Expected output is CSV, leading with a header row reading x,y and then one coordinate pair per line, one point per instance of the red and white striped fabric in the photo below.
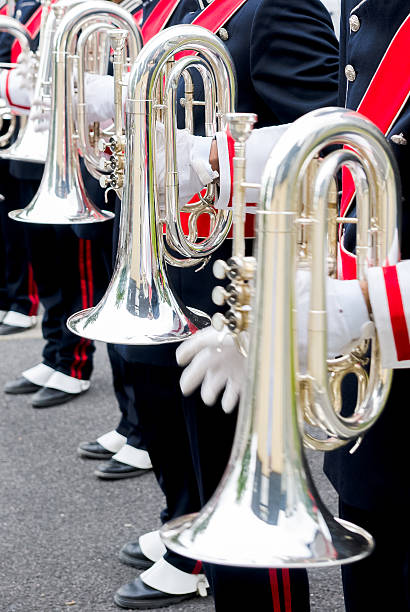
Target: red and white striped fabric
x,y
389,292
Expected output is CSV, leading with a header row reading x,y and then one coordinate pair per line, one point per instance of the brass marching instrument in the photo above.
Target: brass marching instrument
x,y
12,26
61,197
266,511
139,306
31,145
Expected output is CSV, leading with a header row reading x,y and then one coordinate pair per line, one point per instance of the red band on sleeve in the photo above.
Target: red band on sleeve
x,y
398,319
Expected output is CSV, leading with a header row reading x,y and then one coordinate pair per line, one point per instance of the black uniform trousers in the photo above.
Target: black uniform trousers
x,y
71,274
382,581
18,291
373,492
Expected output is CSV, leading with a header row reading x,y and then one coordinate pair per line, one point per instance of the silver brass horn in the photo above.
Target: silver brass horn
x,y
266,511
61,197
12,26
31,145
139,306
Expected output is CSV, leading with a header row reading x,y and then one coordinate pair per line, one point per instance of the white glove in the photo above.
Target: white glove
x,y
216,364
347,315
194,170
17,85
99,98
41,114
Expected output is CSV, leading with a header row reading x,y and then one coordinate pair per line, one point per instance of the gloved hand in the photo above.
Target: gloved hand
x,y
194,170
41,114
347,315
216,364
99,97
17,85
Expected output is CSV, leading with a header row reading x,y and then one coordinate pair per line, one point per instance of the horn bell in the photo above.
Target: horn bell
x,y
261,517
138,313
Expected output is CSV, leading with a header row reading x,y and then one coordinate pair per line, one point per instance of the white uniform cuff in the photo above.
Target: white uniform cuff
x,y
381,312
39,374
19,320
112,441
165,577
258,149
152,546
133,456
69,384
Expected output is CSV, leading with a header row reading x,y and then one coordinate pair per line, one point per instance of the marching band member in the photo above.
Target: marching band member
x,y
72,267
18,291
374,37
286,57
63,286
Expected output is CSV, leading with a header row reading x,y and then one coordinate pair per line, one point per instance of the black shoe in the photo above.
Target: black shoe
x,y
94,450
47,397
21,385
113,470
139,596
6,329
131,554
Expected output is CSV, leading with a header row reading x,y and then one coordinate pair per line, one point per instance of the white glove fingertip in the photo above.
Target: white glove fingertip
x,y
230,397
212,386
195,372
202,339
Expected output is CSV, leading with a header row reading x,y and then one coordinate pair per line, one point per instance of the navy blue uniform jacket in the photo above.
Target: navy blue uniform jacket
x,y
286,59
374,475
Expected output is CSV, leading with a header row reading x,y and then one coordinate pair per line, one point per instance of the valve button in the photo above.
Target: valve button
x,y
218,321
219,296
219,269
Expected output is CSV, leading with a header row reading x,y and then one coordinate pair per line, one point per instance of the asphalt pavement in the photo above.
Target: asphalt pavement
x,y
60,527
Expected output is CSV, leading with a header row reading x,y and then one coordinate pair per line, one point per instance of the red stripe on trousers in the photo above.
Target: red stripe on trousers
x,y
32,292
274,587
398,319
90,285
80,348
89,262
198,568
286,590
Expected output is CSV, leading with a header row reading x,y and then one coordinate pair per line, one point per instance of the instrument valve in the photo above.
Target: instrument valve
x,y
241,267
117,161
